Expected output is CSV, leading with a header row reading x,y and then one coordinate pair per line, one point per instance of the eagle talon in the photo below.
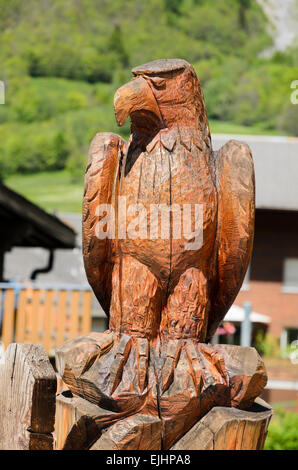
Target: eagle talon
x,y
195,364
121,356
142,347
173,350
79,353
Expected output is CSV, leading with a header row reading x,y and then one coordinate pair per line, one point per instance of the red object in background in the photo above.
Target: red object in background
x,y
226,329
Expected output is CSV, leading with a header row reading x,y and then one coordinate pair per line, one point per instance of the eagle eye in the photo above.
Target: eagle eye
x,y
157,82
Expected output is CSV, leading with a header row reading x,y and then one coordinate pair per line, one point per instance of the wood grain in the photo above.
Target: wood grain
x,y
179,385
138,432
27,398
69,410
229,429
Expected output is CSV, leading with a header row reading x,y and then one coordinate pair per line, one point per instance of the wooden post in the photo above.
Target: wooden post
x,y
79,416
229,429
223,428
27,399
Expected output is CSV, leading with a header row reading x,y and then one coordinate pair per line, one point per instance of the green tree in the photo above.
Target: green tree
x,y
173,6
116,45
244,5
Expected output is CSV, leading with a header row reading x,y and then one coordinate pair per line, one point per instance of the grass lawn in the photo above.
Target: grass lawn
x,y
53,190
58,191
223,127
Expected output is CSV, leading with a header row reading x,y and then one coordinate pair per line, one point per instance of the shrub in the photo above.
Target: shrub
x,y
283,431
267,345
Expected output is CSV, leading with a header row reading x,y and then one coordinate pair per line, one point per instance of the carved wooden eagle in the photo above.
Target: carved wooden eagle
x,y
161,287
167,236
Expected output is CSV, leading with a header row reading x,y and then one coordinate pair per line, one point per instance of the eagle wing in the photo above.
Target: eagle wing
x,y
234,175
106,150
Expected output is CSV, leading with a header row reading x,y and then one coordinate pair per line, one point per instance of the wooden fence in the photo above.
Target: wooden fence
x,y
43,315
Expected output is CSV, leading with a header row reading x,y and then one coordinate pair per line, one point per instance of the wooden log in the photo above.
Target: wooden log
x,y
194,379
138,432
61,386
27,399
41,441
229,429
79,423
117,373
69,410
247,374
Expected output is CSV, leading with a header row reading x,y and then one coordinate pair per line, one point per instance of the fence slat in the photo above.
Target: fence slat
x,y
74,314
28,315
8,320
86,313
62,305
35,339
48,320
21,317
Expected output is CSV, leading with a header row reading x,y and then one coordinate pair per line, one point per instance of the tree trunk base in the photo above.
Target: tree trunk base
x,y
222,428
27,410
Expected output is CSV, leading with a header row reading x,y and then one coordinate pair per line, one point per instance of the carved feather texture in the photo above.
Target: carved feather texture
x,y
236,210
106,150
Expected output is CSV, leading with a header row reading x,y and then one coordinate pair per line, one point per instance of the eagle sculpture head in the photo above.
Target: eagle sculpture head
x,y
162,94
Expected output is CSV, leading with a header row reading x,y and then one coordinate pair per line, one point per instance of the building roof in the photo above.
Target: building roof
x,y
236,314
68,268
276,169
24,224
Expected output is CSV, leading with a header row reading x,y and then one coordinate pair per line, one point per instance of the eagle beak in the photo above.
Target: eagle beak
x,y
135,95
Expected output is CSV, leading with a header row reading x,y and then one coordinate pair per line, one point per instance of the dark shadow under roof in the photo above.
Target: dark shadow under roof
x,y
23,223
